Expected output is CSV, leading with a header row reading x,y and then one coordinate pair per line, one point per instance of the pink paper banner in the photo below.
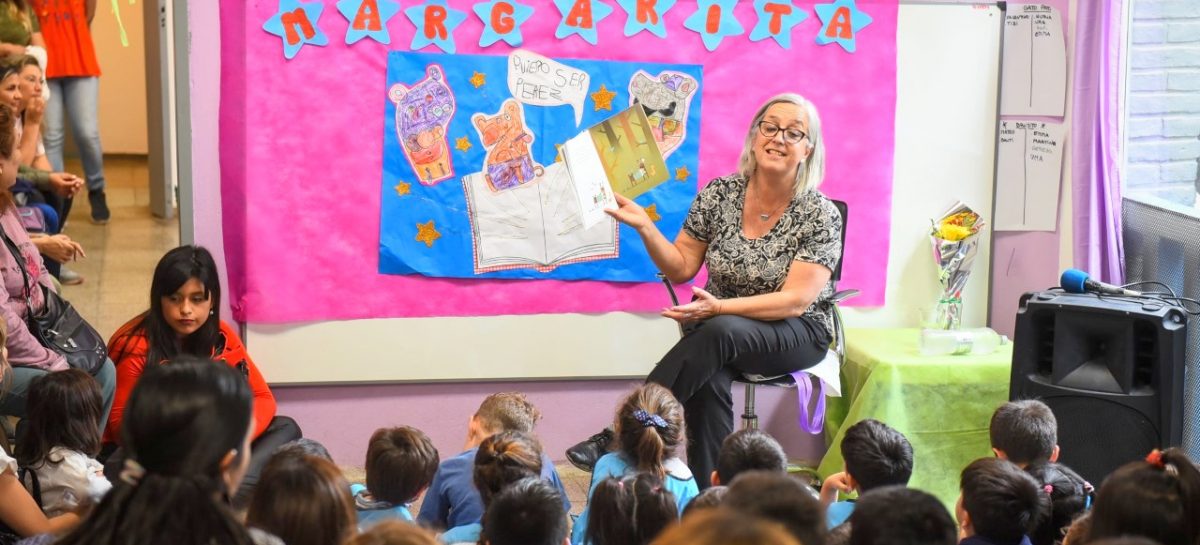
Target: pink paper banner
x,y
301,145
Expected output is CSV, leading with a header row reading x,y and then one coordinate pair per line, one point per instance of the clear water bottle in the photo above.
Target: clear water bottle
x,y
957,342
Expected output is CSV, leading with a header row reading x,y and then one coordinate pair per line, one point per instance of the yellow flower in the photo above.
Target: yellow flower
x,y
952,233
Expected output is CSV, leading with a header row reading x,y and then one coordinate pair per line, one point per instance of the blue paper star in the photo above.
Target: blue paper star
x,y
783,34
450,19
599,10
296,24
835,18
656,27
728,26
520,14
379,10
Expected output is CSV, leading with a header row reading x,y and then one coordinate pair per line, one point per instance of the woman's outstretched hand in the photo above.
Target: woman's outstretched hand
x,y
630,213
704,307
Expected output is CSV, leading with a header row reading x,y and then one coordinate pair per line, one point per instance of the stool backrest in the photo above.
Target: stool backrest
x,y
845,212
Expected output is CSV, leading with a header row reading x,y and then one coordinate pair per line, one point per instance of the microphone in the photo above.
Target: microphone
x,y
1077,281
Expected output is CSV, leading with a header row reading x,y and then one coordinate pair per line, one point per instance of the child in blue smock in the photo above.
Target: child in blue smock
x,y
400,464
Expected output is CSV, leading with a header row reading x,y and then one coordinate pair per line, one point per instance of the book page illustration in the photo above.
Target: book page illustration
x,y
628,152
423,111
666,100
508,163
536,225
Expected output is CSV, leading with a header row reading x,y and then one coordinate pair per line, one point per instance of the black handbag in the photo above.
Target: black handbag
x,y
59,327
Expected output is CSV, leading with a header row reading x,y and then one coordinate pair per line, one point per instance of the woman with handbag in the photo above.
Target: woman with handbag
x,y
185,294
26,292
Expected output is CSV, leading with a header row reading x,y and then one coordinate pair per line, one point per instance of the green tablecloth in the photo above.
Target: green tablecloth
x,y
942,404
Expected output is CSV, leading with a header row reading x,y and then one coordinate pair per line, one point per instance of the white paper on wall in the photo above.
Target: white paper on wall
x,y
1035,62
1028,175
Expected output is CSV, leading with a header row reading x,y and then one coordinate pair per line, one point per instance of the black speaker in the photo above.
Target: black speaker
x,y
1111,369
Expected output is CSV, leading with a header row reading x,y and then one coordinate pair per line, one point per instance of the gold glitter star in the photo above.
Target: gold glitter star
x,y
427,234
603,99
463,144
558,153
403,188
478,79
682,174
652,211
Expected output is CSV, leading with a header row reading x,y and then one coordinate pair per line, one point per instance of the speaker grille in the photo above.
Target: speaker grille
x,y
1098,436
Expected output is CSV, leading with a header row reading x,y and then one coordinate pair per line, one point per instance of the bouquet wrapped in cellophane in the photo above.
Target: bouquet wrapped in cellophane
x,y
955,240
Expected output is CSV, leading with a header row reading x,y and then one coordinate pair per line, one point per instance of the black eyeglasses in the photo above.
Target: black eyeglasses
x,y
790,135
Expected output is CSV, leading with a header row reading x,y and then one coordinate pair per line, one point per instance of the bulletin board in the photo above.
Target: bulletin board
x,y
303,176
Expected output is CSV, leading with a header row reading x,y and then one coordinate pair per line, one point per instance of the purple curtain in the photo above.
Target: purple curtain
x,y
1097,135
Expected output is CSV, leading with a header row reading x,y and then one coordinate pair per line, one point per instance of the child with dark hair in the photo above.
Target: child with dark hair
x,y
630,510
1069,496
527,512
779,497
303,500
452,499
897,515
187,430
747,450
1158,498
400,464
648,428
502,459
60,440
875,455
710,498
304,445
1024,432
999,505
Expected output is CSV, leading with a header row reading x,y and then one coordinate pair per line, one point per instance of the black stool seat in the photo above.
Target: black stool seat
x,y
785,381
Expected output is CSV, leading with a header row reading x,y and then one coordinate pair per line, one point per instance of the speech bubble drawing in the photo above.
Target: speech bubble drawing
x,y
541,81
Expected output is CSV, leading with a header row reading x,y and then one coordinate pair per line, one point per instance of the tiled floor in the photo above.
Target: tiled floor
x,y
121,255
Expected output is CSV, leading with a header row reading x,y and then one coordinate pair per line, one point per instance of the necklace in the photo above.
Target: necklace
x,y
767,216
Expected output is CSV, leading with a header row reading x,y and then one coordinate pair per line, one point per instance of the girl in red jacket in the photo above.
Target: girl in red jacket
x,y
184,297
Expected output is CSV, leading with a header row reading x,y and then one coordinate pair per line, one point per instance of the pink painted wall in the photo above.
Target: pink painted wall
x,y
343,417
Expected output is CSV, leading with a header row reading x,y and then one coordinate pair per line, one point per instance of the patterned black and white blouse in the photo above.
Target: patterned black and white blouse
x,y
808,230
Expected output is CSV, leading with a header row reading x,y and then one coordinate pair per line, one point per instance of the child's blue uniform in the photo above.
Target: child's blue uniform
x,y
467,533
371,512
679,481
838,512
452,499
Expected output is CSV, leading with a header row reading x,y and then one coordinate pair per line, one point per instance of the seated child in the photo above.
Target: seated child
x,y
710,498
648,427
630,510
452,499
60,440
1024,432
400,464
527,512
1158,498
999,505
875,455
725,527
897,515
501,460
781,498
1069,494
394,532
302,500
305,445
747,450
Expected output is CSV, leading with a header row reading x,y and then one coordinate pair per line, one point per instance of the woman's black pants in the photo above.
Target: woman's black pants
x,y
700,369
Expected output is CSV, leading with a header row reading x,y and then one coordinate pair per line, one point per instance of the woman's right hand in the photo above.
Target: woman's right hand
x,y
35,110
630,213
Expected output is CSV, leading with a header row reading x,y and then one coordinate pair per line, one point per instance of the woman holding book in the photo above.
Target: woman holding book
x,y
770,241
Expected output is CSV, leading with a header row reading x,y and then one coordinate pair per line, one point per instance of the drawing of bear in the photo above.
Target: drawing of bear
x,y
423,112
666,100
508,163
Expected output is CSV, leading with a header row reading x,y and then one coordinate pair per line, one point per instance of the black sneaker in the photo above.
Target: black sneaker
x,y
585,454
100,214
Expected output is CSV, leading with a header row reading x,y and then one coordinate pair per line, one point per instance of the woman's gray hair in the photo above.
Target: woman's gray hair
x,y
811,172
